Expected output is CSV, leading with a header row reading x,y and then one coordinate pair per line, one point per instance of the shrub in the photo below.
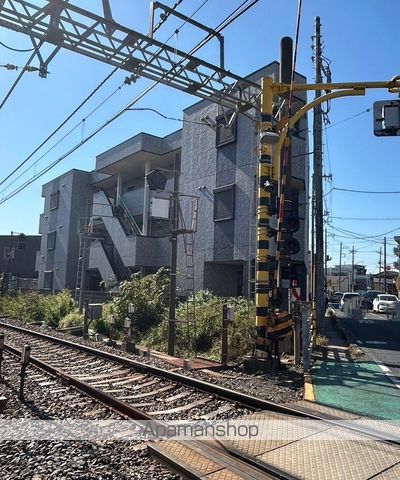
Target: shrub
x,y
100,325
35,307
72,319
205,337
150,297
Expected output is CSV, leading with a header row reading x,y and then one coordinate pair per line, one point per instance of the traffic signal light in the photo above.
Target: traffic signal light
x,y
290,245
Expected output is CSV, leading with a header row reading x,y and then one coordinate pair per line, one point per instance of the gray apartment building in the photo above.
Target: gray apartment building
x,y
127,224
18,257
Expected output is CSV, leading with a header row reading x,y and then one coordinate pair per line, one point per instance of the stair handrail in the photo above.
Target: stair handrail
x,y
134,226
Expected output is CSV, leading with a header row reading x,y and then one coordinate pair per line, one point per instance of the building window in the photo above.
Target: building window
x,y
48,280
54,200
51,240
225,134
224,203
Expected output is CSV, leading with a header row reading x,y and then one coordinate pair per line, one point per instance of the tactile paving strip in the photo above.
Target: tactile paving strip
x,y
391,474
196,460
317,407
224,475
276,430
320,459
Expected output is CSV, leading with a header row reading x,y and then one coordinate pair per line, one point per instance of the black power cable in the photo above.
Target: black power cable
x,y
23,50
18,78
51,135
220,27
60,126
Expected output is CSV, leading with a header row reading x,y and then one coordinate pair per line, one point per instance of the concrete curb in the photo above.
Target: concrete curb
x,y
308,388
353,345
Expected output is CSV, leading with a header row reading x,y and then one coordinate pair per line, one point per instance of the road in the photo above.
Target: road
x,y
379,338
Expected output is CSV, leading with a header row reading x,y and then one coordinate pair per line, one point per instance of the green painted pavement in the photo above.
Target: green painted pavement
x,y
359,387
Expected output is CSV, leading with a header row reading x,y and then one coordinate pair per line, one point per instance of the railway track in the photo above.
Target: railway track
x,y
144,392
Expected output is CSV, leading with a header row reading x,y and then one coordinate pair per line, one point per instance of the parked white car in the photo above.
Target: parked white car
x,y
348,296
384,302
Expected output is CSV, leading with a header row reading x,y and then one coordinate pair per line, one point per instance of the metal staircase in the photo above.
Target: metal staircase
x,y
121,211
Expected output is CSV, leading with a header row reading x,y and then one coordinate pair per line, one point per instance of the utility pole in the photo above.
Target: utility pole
x,y
174,256
340,266
326,261
82,283
380,265
317,184
352,269
384,265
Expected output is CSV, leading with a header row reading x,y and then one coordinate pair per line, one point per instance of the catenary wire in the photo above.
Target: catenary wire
x,y
113,118
18,79
59,141
51,135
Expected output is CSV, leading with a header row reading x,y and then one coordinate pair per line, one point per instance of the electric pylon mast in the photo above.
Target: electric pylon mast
x,y
68,26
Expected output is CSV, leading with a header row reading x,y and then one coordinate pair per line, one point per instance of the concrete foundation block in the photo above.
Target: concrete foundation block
x,y
254,365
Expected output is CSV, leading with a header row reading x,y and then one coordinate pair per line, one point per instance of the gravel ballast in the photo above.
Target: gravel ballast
x,y
42,460
284,386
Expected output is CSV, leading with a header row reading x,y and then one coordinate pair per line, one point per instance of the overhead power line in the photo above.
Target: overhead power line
x,y
367,218
51,135
60,126
148,109
362,236
23,50
365,191
221,26
347,119
18,78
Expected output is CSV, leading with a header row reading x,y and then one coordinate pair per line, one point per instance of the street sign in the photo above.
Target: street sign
x,y
295,294
387,118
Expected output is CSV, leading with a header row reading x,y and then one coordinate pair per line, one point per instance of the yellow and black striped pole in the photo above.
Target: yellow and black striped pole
x,y
265,177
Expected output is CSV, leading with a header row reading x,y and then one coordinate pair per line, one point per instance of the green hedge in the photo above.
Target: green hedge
x,y
35,307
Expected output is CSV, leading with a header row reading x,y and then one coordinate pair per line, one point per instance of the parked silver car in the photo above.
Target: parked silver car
x,y
384,302
346,297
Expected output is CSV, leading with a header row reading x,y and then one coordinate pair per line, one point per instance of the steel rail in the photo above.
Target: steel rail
x,y
248,401
235,460
245,400
104,398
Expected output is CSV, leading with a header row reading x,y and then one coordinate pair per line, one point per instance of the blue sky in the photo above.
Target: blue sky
x,y
361,39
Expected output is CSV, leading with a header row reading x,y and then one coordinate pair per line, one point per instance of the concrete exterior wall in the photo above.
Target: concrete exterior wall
x,y
98,259
223,249
206,167
142,142
74,193
135,251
